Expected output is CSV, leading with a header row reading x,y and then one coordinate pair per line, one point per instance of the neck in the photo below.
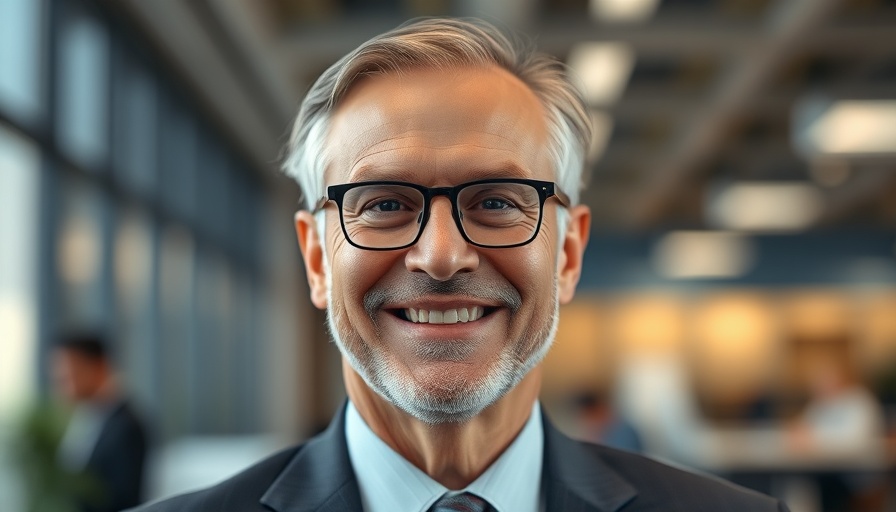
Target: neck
x,y
453,454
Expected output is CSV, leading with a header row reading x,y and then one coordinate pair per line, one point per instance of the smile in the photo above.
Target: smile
x,y
448,316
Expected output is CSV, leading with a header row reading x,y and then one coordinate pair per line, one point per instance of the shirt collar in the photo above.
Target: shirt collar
x,y
389,483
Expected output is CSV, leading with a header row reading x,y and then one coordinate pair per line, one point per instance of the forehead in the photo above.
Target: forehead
x,y
451,122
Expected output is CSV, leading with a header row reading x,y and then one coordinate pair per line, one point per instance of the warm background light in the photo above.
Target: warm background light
x,y
734,346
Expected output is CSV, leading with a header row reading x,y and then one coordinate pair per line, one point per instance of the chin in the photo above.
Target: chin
x,y
439,397
436,396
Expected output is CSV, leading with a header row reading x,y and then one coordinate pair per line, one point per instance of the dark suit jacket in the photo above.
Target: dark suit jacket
x,y
117,462
578,477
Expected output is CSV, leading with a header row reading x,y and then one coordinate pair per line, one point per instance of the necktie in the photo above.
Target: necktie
x,y
465,502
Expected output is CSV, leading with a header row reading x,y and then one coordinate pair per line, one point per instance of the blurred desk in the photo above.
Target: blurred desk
x,y
770,449
764,459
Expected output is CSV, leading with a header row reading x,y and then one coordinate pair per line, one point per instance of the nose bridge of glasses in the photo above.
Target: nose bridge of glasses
x,y
449,200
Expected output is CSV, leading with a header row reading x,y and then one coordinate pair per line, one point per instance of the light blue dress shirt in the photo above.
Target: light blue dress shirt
x,y
389,483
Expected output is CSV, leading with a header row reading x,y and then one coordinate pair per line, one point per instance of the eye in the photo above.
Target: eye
x,y
386,205
494,203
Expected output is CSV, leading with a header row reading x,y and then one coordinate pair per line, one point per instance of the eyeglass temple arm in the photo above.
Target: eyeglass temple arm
x,y
562,197
319,205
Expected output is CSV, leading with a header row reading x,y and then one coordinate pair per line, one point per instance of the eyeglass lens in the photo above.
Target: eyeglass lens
x,y
491,214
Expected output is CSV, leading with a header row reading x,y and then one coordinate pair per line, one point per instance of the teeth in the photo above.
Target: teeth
x,y
450,316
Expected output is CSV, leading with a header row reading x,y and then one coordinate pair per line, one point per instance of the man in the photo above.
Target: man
x,y
104,438
441,166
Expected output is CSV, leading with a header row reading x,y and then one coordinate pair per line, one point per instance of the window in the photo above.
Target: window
x,y
134,264
83,94
19,179
81,255
136,126
20,59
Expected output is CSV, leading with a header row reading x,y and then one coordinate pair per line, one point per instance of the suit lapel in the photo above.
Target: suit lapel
x,y
577,480
319,478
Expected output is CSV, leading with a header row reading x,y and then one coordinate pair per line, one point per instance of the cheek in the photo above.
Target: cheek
x,y
530,269
356,271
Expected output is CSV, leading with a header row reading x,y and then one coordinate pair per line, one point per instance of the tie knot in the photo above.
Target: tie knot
x,y
465,502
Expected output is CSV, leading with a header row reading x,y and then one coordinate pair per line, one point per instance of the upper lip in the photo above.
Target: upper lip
x,y
442,304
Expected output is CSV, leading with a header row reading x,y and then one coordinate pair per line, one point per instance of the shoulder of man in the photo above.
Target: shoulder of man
x,y
659,486
239,492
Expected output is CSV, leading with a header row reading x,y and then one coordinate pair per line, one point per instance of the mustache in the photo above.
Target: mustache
x,y
416,286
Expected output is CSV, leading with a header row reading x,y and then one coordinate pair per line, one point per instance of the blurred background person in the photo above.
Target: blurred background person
x,y
844,421
104,438
601,422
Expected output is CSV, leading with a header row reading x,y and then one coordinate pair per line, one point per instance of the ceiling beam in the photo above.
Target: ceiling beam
x,y
249,29
792,23
309,46
183,39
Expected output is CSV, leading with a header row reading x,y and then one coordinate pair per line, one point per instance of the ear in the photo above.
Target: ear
x,y
572,252
313,254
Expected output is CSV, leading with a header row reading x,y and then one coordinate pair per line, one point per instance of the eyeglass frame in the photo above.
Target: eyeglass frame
x,y
545,190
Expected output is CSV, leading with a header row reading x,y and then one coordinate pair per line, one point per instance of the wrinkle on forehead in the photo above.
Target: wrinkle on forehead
x,y
437,118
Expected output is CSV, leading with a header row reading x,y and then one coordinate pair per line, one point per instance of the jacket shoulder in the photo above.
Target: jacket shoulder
x,y
664,487
239,492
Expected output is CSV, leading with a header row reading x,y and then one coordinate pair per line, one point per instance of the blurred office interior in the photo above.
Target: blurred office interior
x,y
742,180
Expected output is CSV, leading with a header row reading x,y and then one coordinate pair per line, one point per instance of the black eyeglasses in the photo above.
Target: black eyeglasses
x,y
388,215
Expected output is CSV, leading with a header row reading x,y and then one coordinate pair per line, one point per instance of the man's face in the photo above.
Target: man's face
x,y
76,376
441,128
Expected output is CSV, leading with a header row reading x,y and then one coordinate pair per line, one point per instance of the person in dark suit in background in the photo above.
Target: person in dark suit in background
x,y
104,438
441,165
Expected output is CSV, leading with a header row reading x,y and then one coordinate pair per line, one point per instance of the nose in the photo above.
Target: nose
x,y
441,250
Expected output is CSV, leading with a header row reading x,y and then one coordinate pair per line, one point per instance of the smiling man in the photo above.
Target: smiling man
x,y
441,163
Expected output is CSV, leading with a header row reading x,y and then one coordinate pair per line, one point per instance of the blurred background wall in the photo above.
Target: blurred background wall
x,y
742,179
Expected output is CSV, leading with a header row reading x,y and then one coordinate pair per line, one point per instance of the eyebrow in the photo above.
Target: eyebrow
x,y
371,172
502,170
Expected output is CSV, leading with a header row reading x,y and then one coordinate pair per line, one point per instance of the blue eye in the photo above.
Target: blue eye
x,y
495,204
389,205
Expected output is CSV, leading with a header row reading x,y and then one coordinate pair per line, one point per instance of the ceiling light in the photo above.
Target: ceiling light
x,y
765,206
622,11
702,254
846,127
603,69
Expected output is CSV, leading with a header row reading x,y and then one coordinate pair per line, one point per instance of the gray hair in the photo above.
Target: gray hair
x,y
442,43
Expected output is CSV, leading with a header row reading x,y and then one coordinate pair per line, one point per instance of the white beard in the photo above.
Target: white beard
x,y
450,399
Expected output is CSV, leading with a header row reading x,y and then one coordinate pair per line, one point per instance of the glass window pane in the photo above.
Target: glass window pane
x,y
19,195
212,412
21,58
177,337
134,264
244,363
81,255
134,137
83,90
214,172
178,160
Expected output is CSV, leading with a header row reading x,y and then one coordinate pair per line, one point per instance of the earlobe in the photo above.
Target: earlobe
x,y
572,252
313,255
